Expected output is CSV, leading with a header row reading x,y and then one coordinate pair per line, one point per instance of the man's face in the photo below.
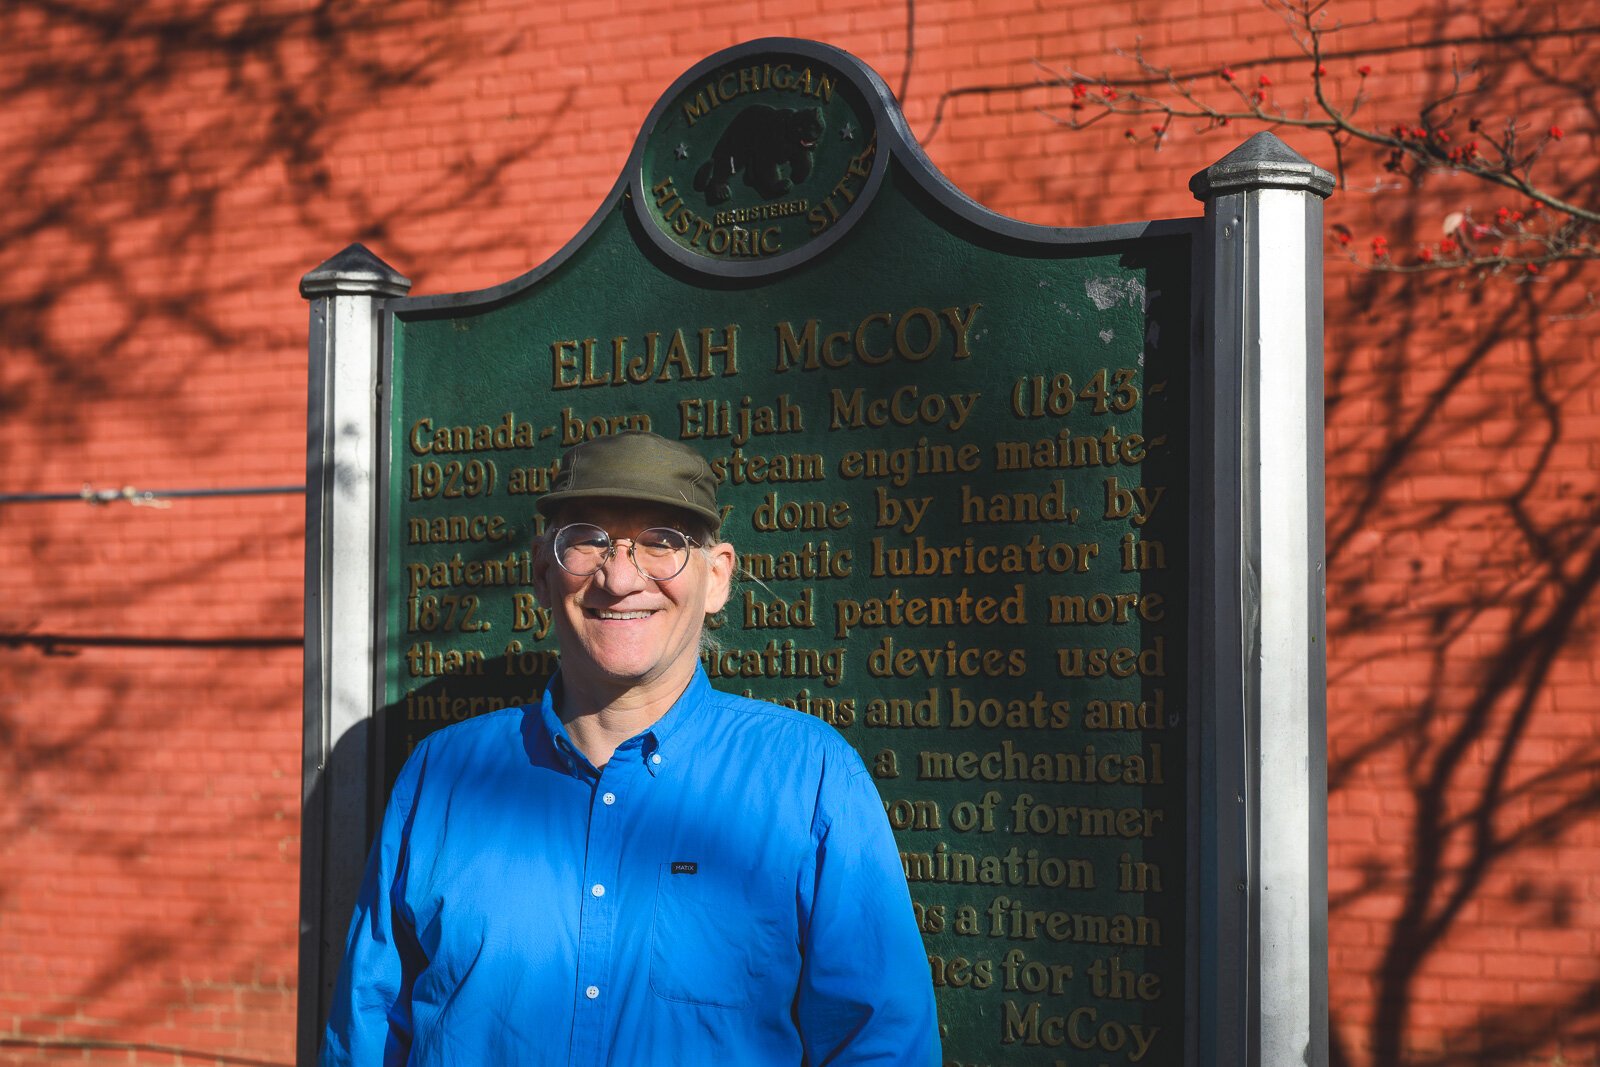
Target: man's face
x,y
619,630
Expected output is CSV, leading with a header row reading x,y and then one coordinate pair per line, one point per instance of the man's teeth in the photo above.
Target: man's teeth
x,y
623,614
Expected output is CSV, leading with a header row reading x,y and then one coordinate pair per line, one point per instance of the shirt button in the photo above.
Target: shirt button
x,y
609,798
598,890
656,758
592,992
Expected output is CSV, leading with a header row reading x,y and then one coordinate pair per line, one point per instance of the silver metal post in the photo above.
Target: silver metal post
x,y
1263,899
346,295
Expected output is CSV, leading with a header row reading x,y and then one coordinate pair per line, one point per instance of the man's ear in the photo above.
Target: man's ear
x,y
720,560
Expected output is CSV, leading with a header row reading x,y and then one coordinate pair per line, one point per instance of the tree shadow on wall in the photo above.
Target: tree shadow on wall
x,y
159,962
1464,558
135,136
1500,593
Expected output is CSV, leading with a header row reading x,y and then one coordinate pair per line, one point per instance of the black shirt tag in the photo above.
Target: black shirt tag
x,y
683,867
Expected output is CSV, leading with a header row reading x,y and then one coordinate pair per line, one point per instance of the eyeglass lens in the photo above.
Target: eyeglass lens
x,y
659,552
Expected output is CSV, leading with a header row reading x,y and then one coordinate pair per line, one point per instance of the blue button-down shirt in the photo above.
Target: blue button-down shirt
x,y
724,890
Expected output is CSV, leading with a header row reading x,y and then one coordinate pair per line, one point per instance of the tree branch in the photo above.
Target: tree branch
x,y
1546,226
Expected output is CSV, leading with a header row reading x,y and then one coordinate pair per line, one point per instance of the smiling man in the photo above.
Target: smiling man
x,y
640,869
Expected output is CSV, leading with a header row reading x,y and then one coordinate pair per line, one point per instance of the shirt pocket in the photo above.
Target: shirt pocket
x,y
716,932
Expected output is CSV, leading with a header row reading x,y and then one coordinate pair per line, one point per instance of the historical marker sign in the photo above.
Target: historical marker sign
x,y
960,459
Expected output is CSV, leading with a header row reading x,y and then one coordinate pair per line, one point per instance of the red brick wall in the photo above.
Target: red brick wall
x,y
171,171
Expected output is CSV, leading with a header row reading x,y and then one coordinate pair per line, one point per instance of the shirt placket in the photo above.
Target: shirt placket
x,y
597,978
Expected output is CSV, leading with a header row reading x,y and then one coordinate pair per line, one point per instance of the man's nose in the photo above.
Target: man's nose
x,y
618,574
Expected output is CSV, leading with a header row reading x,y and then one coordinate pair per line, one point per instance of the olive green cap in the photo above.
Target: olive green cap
x,y
636,465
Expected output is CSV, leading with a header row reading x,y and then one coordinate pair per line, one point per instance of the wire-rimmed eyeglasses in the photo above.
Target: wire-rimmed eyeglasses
x,y
659,553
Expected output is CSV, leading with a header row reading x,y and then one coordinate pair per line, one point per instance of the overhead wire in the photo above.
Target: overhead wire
x,y
155,498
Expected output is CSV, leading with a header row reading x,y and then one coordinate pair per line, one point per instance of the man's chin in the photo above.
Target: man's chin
x,y
622,668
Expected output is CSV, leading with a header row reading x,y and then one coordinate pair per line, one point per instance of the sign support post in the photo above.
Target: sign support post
x,y
1263,878
346,294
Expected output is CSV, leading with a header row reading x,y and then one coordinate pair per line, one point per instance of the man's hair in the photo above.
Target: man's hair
x,y
703,532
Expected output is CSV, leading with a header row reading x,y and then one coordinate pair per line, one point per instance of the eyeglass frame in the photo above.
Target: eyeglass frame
x,y
612,542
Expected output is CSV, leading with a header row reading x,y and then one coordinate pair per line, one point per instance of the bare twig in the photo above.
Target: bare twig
x,y
1547,227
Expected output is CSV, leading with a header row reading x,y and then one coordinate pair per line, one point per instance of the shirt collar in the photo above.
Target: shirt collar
x,y
681,719
669,736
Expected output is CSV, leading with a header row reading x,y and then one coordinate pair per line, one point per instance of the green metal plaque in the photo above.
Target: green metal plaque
x,y
955,452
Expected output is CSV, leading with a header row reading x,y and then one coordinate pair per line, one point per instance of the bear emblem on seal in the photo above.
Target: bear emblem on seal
x,y
760,142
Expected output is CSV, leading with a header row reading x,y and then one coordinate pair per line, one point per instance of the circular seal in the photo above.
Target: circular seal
x,y
758,159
